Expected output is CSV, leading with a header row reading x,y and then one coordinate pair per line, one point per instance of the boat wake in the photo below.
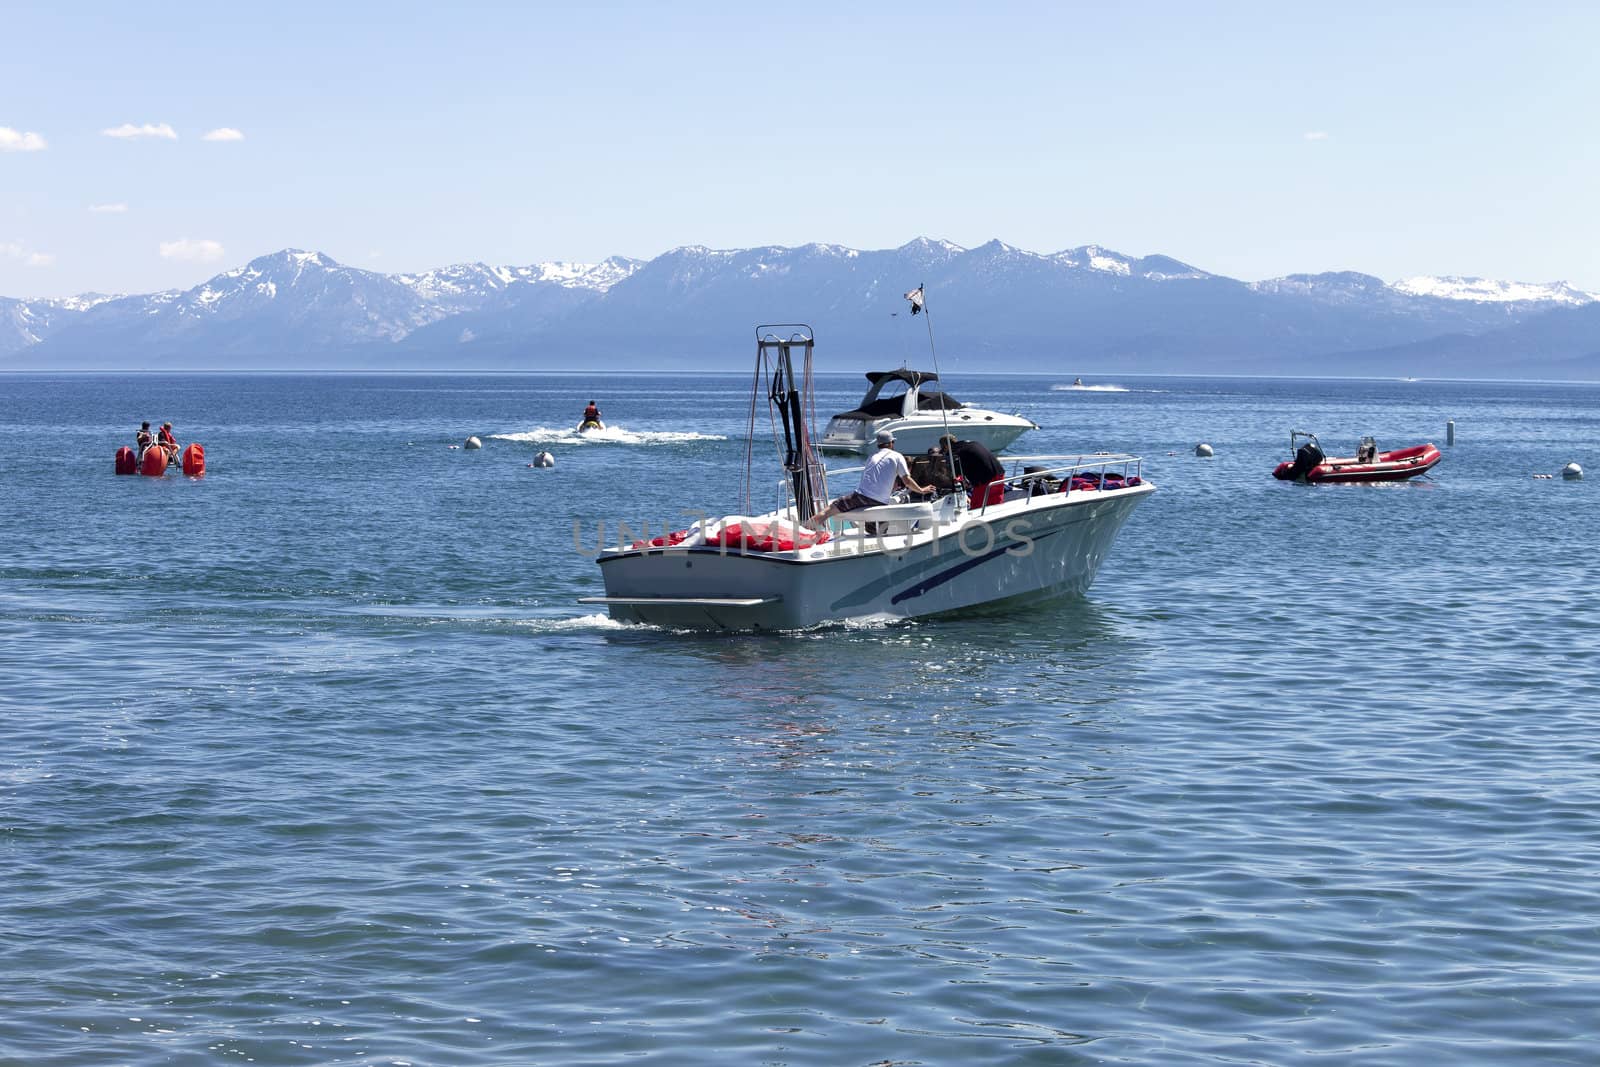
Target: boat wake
x,y
603,623
611,435
574,624
1089,389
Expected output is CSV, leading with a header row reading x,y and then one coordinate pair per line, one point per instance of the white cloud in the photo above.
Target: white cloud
x,y
20,140
223,133
108,209
191,251
18,250
1316,135
128,131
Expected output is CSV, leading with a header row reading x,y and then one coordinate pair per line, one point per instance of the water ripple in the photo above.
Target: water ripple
x,y
341,774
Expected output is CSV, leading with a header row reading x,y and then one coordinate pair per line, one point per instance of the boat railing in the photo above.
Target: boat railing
x,y
1129,466
1072,472
1033,473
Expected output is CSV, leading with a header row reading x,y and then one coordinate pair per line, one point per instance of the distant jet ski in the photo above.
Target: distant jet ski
x,y
590,424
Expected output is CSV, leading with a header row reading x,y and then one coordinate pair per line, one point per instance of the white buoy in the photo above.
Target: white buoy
x,y
1203,450
1450,432
472,442
544,459
1572,472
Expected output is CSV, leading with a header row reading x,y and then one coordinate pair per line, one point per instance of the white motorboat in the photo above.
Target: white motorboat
x,y
1042,531
902,402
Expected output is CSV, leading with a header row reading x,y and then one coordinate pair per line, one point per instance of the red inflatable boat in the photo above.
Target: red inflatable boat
x,y
1310,464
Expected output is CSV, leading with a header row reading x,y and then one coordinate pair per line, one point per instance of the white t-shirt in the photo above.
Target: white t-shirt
x,y
877,477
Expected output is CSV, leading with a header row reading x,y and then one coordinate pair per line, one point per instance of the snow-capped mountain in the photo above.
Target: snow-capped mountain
x,y
332,299
1346,285
1486,290
998,306
1152,268
293,306
471,286
1339,285
27,322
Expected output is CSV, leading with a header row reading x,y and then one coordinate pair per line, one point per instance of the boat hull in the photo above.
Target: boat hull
x,y
858,437
1028,550
1396,466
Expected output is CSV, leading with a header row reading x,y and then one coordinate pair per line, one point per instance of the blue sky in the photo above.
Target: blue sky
x,y
1249,139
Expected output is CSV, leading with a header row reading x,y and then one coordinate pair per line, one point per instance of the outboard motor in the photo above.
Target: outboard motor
x,y
1306,457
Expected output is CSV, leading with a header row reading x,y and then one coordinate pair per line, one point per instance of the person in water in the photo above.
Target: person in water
x,y
591,415
975,463
142,440
884,470
168,443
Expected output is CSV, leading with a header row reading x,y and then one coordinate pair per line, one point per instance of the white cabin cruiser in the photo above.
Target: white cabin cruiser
x,y
902,402
1041,531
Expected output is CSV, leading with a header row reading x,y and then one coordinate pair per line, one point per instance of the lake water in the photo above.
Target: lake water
x,y
316,760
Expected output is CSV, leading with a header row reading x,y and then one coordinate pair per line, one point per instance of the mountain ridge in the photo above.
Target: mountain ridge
x,y
1087,306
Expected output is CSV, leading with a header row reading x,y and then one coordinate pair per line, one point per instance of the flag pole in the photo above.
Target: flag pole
x,y
919,303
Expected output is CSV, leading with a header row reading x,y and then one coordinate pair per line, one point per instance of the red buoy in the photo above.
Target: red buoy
x,y
194,459
155,462
126,463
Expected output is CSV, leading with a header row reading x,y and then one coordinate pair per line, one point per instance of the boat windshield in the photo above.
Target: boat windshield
x,y
886,397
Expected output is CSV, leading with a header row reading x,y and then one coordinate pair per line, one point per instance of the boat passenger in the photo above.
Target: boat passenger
x,y
975,463
1367,451
142,440
884,470
168,443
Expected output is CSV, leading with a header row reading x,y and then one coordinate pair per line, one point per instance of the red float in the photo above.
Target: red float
x,y
155,462
126,462
766,537
194,459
